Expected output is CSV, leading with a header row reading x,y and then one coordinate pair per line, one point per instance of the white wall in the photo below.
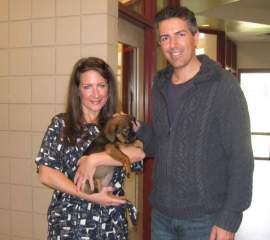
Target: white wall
x,y
253,55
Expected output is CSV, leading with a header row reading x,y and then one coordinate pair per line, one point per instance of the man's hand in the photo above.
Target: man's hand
x,y
135,124
218,233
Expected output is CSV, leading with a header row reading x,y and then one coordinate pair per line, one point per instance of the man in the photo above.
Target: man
x,y
199,138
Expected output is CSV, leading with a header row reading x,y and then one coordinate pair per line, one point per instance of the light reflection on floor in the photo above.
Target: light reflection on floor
x,y
256,221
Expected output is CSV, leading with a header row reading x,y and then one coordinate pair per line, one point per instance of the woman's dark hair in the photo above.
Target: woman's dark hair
x,y
178,12
74,114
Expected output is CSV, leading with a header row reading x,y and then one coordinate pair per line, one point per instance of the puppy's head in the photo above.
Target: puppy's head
x,y
119,128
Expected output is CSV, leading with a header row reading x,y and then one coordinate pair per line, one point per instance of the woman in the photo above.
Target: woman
x,y
73,214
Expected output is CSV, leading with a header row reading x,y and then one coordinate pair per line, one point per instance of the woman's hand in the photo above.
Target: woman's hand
x,y
86,170
57,180
88,164
105,198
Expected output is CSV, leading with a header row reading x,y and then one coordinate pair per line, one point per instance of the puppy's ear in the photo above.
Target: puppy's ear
x,y
109,131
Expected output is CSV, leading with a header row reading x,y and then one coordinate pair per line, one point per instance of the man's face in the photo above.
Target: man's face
x,y
177,42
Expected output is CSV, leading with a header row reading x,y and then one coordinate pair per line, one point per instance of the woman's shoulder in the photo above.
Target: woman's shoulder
x,y
60,116
58,120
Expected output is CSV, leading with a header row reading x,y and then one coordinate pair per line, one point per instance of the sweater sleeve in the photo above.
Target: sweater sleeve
x,y
146,135
236,139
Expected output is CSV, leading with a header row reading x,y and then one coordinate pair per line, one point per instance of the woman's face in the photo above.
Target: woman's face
x,y
94,92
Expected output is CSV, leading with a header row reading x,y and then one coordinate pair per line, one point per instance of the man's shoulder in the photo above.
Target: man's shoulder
x,y
228,79
229,86
215,71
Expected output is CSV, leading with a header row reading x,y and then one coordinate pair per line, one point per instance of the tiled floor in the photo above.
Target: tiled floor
x,y
256,222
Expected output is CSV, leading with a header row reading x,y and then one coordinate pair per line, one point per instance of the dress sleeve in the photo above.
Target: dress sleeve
x,y
49,153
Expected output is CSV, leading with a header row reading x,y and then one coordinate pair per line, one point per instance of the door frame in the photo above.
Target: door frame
x,y
149,71
146,22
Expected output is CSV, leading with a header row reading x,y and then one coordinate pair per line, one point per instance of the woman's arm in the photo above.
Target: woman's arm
x,y
58,181
88,164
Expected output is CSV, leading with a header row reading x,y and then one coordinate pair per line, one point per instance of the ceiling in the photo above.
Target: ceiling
x,y
242,20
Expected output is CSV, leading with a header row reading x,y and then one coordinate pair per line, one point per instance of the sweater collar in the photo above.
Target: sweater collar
x,y
209,71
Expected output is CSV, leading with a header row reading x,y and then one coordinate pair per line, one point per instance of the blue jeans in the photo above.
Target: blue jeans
x,y
167,228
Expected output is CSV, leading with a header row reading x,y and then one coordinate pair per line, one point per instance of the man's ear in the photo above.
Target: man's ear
x,y
196,38
109,132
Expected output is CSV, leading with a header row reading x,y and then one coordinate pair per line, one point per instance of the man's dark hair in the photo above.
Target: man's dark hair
x,y
177,12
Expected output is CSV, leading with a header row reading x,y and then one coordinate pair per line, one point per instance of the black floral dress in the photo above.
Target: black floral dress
x,y
70,217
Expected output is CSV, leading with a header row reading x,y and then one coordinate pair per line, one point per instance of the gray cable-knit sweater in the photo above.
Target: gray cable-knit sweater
x,y
203,161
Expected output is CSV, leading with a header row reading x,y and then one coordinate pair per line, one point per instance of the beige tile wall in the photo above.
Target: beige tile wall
x,y
40,40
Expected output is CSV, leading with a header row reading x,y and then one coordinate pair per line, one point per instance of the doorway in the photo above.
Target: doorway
x,y
256,87
130,79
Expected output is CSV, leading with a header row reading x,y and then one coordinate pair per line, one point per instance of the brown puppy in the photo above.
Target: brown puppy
x,y
117,132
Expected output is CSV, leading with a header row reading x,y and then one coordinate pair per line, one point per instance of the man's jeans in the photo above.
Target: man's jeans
x,y
167,228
